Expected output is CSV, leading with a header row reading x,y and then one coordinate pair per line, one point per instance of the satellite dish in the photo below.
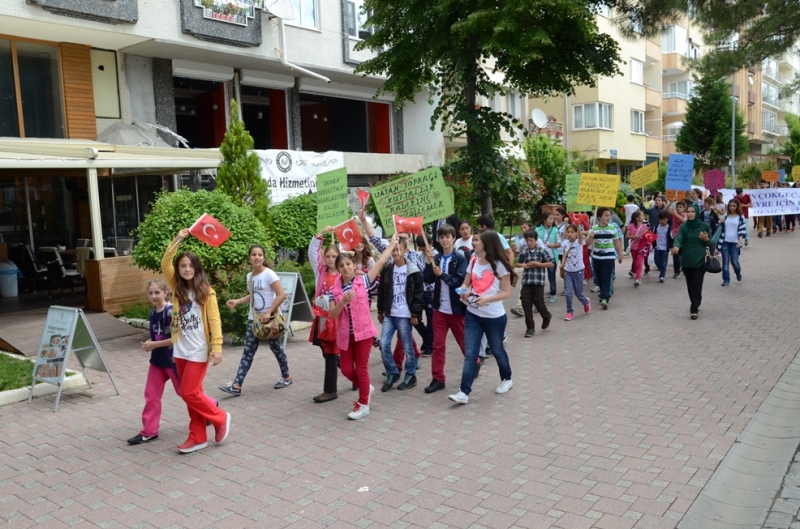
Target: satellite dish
x,y
539,118
280,8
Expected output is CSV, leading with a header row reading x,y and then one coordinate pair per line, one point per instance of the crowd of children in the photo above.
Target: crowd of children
x,y
456,285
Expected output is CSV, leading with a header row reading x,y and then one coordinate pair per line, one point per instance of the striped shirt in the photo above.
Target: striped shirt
x,y
604,237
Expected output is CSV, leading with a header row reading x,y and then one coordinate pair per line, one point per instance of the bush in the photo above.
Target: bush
x,y
138,311
231,283
295,222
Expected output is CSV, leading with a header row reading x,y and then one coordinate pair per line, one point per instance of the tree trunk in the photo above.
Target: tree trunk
x,y
472,139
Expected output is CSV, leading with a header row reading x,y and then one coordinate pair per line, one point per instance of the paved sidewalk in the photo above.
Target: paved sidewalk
x,y
616,420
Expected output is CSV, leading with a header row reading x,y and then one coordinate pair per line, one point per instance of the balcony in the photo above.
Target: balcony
x,y
787,106
233,22
751,127
770,101
783,130
672,61
119,12
652,52
769,128
652,98
674,103
654,144
751,98
770,74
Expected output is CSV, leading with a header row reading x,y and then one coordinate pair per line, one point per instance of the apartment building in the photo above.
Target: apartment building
x,y
617,122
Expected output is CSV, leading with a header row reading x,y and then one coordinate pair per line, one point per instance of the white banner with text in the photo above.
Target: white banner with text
x,y
292,173
766,202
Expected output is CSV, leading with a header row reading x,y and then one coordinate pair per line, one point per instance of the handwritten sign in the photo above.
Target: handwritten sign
x,y
332,207
573,184
679,172
796,173
783,175
673,195
645,175
714,180
771,176
598,189
422,194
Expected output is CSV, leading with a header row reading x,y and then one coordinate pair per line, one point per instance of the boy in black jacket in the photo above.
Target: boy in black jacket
x,y
400,303
447,272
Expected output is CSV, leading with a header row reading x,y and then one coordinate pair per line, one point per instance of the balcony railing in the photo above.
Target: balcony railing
x,y
771,73
786,105
771,101
233,12
782,130
679,95
771,128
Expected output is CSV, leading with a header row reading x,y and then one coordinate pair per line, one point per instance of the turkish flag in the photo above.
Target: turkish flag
x,y
578,218
650,237
363,196
209,230
411,225
348,235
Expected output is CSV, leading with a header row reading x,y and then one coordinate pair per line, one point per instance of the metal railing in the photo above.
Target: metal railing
x,y
231,11
771,73
679,95
771,101
769,127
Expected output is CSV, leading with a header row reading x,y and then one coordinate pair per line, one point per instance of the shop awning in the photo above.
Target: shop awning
x,y
17,153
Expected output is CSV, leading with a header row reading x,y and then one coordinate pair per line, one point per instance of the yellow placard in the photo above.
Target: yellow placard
x,y
796,173
598,189
771,176
645,175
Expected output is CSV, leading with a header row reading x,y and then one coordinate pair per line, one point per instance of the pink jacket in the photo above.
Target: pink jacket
x,y
637,244
363,328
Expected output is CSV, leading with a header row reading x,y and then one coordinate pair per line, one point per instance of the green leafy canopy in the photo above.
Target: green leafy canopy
x,y
295,221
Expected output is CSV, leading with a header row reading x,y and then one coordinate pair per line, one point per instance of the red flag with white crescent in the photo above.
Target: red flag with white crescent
x,y
348,235
412,225
363,196
210,230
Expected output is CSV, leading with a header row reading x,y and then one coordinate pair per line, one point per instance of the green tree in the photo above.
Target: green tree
x,y
239,174
792,147
295,222
455,50
549,159
706,131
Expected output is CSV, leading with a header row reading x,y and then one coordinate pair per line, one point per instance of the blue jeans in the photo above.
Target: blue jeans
x,y
474,328
730,256
551,279
662,260
604,269
403,328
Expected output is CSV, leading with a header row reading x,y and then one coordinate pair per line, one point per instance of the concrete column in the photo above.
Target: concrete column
x,y
294,113
94,213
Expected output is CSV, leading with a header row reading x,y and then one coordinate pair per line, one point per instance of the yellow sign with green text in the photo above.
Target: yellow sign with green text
x,y
796,173
598,189
645,175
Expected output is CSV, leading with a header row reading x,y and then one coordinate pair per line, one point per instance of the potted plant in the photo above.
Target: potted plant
x,y
207,8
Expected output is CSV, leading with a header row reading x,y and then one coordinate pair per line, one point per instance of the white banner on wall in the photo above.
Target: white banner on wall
x,y
766,202
292,173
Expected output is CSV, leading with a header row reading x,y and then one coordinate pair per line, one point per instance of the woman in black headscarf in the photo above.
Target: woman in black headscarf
x,y
693,239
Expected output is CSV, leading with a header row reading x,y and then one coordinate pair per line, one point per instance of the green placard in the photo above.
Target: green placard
x,y
332,207
573,183
422,194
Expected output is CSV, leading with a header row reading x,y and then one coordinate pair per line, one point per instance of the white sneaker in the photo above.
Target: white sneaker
x,y
359,411
459,398
505,338
371,391
504,386
595,289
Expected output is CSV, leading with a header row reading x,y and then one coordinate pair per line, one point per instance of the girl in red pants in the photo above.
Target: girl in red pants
x,y
355,330
640,248
196,341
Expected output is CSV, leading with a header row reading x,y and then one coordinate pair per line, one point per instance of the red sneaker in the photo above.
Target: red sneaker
x,y
221,433
191,446
587,308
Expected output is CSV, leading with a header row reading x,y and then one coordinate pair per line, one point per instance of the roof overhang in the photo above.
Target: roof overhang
x,y
16,153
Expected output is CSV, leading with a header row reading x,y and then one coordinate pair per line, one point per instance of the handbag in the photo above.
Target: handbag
x,y
275,326
712,264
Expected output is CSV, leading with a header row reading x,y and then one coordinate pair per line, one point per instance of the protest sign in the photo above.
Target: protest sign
x,y
292,173
422,194
598,189
714,180
573,184
771,176
645,175
796,173
781,201
783,175
332,207
679,172
673,195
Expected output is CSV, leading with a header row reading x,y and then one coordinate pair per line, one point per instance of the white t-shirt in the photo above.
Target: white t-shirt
x,y
191,344
574,261
484,283
444,292
399,301
630,209
461,244
263,296
732,229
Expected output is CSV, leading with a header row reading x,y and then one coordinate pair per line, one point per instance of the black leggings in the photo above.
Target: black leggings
x,y
694,285
331,373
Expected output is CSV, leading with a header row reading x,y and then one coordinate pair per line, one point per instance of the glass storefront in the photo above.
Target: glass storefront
x,y
49,205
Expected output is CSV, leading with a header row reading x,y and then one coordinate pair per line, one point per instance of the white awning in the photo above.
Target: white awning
x,y
18,153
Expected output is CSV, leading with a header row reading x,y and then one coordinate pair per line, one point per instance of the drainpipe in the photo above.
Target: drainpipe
x,y
282,54
567,142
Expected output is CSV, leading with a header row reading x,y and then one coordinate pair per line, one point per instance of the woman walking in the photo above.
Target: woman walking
x,y
693,239
265,297
731,239
489,280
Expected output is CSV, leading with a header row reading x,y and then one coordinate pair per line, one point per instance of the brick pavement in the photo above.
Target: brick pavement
x,y
616,420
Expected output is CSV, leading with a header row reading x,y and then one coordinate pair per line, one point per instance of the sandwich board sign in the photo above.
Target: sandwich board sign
x,y
67,331
296,305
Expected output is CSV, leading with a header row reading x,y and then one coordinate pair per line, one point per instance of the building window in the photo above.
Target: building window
x,y
674,40
513,105
604,10
769,121
680,89
592,116
770,68
356,20
769,94
637,71
36,87
637,122
671,131
306,13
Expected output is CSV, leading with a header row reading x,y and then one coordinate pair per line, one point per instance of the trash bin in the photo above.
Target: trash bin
x,y
8,279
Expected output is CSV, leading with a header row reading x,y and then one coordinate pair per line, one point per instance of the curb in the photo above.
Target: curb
x,y
11,396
